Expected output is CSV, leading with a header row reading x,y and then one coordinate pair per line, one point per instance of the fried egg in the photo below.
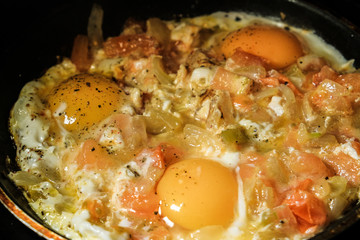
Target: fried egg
x,y
84,100
192,141
193,197
277,46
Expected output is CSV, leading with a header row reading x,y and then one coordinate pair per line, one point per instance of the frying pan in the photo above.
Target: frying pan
x,y
36,35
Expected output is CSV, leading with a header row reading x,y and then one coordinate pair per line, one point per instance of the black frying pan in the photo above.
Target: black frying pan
x,y
34,34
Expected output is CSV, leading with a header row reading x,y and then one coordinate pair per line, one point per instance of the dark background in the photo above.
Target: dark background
x,y
17,17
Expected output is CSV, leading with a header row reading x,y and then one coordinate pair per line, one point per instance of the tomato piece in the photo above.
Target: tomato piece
x,y
345,166
97,209
307,165
139,203
310,212
270,81
242,102
286,218
332,98
223,80
325,73
159,156
155,153
126,45
292,139
282,79
93,156
247,171
304,185
171,154
350,81
139,196
232,82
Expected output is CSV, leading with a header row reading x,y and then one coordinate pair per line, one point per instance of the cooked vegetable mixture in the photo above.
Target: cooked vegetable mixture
x,y
225,126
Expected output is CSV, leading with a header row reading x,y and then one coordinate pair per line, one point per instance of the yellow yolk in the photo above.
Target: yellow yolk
x,y
276,45
84,100
196,193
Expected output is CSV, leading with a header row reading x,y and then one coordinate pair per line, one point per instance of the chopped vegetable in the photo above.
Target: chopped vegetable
x,y
137,44
158,121
80,55
132,136
234,136
309,211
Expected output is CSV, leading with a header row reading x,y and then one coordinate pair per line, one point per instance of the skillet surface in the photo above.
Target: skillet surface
x,y
20,63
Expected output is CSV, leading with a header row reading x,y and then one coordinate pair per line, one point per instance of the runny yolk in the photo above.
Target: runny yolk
x,y
196,193
276,45
84,100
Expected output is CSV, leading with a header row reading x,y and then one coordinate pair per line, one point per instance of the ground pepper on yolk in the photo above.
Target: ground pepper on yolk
x,y
84,100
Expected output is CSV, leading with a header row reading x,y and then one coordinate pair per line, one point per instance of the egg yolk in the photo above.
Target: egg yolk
x,y
84,100
276,45
196,193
